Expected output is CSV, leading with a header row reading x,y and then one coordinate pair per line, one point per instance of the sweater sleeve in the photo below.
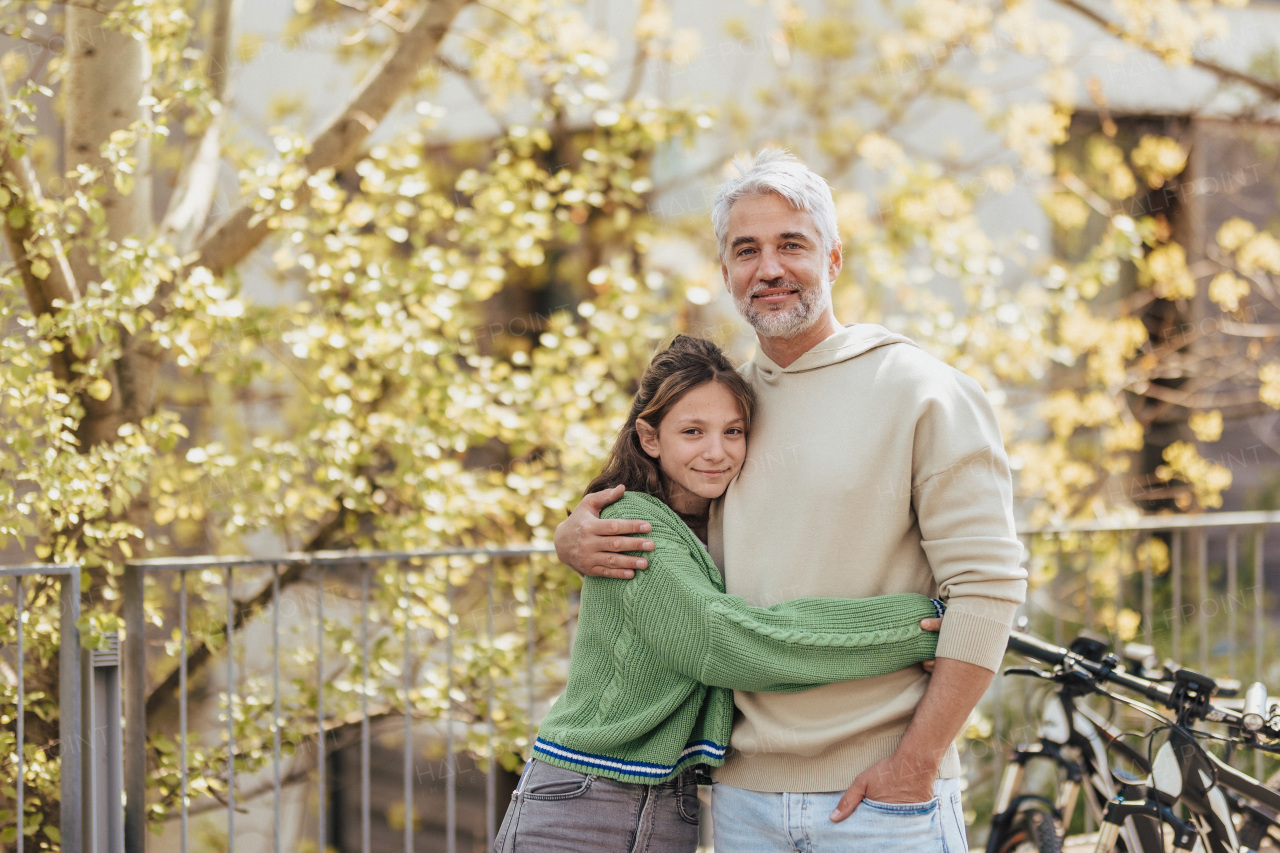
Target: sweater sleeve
x,y
721,641
963,498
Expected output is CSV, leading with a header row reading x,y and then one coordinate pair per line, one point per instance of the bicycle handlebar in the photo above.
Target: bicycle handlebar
x,y
1032,646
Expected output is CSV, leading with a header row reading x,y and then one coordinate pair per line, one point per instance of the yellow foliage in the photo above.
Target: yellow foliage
x,y
1208,480
1108,160
1259,252
1157,159
1154,553
1226,290
879,151
1269,376
1234,232
1060,85
1127,623
1029,130
1166,271
1067,210
1207,426
1127,435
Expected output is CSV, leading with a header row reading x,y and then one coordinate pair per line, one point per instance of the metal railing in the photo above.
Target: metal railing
x,y
1190,550
1174,582
324,568
73,742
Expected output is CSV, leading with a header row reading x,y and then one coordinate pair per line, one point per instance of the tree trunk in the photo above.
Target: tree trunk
x,y
108,74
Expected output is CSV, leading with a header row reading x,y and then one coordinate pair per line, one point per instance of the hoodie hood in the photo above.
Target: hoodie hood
x,y
850,342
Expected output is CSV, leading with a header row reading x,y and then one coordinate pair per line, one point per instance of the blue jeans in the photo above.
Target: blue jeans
x,y
554,810
757,822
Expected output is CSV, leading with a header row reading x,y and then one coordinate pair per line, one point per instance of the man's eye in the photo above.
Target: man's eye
x,y
743,252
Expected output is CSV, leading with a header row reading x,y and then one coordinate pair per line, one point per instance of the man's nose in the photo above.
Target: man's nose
x,y
770,265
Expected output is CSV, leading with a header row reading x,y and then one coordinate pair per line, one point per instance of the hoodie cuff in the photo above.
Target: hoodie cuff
x,y
976,630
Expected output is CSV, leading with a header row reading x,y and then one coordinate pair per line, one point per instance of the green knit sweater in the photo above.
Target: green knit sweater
x,y
656,658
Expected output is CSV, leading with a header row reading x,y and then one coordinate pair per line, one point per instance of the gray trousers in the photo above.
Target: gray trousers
x,y
554,810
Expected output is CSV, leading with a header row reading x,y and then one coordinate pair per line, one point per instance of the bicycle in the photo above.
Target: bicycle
x,y
1229,810
1076,741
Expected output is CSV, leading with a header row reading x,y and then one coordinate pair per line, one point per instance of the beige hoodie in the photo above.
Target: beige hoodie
x,y
872,468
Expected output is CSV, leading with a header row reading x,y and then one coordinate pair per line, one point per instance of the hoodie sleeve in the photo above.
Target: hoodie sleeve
x,y
963,497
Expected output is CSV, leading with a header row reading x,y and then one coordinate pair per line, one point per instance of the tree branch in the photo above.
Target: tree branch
x,y
18,178
340,142
1249,330
1222,72
189,206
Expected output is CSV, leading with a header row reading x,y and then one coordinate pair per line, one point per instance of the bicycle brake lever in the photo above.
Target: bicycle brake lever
x,y
1027,670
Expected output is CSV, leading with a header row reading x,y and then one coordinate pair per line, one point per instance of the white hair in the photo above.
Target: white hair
x,y
776,171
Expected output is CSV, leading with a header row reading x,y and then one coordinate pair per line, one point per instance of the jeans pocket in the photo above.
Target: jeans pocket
x,y
687,798
902,808
547,782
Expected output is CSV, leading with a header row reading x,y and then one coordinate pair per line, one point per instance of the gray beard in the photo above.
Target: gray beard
x,y
812,304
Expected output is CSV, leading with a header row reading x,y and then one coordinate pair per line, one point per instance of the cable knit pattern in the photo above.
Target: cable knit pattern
x,y
870,638
656,658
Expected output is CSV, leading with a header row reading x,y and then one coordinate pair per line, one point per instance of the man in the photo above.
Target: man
x,y
873,468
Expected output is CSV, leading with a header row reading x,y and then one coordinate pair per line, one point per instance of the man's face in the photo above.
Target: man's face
x,y
775,268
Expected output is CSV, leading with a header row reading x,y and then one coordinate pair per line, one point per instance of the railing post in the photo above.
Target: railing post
x,y
104,822
70,703
135,712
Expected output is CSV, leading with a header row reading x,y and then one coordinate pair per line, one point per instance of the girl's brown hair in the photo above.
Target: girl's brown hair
x,y
684,365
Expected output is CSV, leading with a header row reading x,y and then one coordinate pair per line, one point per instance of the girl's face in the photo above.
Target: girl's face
x,y
700,446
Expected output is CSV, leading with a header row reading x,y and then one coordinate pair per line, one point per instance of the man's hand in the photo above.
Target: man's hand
x,y
932,624
592,545
896,779
908,775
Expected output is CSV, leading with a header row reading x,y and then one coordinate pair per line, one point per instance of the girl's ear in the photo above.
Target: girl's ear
x,y
648,437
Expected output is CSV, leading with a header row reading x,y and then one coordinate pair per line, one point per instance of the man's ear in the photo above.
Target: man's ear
x,y
648,437
724,274
835,261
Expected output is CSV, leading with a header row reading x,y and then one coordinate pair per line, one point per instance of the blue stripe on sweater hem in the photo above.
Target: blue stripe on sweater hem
x,y
634,768
938,606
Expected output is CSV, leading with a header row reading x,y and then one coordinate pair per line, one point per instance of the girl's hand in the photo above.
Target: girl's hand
x,y
932,624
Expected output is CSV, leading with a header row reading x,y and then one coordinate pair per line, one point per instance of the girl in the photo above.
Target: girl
x,y
656,659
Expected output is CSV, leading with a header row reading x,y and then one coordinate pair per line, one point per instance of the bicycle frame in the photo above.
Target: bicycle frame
x,y
1185,772
1076,739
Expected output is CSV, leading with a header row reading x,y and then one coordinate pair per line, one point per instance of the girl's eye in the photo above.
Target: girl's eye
x,y
735,431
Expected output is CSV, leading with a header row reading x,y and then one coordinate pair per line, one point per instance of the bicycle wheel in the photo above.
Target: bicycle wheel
x,y
1031,830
